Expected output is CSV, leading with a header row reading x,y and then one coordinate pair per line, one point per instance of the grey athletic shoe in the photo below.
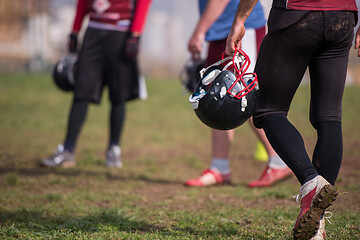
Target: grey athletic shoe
x,y
60,158
113,157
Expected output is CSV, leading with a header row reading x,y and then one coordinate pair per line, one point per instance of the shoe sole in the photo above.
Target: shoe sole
x,y
67,165
309,222
62,165
113,165
209,185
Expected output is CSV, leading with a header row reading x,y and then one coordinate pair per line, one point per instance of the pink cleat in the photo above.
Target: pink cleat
x,y
316,195
208,178
270,176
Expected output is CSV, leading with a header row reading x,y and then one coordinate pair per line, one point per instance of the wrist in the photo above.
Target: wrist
x,y
135,34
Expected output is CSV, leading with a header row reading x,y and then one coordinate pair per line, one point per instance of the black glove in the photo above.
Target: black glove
x,y
132,46
73,39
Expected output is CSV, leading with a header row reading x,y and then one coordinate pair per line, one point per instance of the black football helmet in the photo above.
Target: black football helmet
x,y
226,96
63,72
190,74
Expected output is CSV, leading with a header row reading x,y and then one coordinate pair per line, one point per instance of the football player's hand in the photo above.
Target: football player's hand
x,y
357,41
73,39
234,38
195,45
132,46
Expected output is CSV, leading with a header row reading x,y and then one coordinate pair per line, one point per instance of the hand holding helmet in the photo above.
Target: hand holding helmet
x,y
132,46
73,41
63,72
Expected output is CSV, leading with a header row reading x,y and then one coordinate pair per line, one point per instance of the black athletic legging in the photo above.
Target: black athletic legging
x,y
77,117
320,41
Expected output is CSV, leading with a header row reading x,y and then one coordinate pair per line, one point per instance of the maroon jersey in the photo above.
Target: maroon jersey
x,y
118,14
317,5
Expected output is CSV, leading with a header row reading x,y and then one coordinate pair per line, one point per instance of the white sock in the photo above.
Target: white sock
x,y
276,162
220,164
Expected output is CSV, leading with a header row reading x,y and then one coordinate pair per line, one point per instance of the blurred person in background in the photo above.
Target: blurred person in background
x,y
304,34
214,26
108,57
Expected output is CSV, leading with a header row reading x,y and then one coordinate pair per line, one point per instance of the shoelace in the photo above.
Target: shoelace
x,y
297,197
328,217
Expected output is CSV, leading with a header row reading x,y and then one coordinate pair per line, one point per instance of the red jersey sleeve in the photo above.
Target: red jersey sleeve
x,y
140,14
81,9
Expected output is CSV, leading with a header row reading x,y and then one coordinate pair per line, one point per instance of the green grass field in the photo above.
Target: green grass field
x,y
163,145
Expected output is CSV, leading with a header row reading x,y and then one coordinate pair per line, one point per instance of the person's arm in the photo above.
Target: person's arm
x,y
140,14
80,14
79,17
212,11
237,31
136,28
357,41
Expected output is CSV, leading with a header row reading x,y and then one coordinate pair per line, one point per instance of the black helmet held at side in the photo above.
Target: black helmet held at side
x,y
225,99
63,72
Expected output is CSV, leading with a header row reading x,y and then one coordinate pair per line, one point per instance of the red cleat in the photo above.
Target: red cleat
x,y
208,178
316,195
270,176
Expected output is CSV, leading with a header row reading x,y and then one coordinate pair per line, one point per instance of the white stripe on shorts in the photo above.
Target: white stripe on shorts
x,y
249,47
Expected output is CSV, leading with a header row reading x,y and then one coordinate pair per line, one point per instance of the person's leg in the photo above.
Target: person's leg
x,y
282,61
328,73
221,143
122,75
276,170
283,58
277,128
76,120
88,88
262,137
88,81
328,151
219,170
250,45
316,192
64,155
117,119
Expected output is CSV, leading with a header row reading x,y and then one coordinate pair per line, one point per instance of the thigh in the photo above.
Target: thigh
x,y
215,51
89,68
328,68
249,46
122,74
282,61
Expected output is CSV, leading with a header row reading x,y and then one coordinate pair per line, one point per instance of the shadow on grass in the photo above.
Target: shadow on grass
x,y
30,220
76,172
24,221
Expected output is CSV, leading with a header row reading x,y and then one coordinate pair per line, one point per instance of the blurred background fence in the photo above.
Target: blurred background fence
x,y
34,34
23,34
